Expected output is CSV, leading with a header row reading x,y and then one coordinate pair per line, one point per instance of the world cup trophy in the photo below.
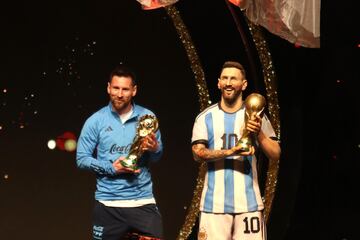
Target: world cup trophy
x,y
254,106
146,125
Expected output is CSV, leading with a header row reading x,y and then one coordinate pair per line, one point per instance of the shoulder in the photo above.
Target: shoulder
x,y
211,109
140,110
99,115
266,118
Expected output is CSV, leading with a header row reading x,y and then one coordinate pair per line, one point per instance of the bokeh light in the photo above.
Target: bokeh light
x,y
66,142
70,145
51,144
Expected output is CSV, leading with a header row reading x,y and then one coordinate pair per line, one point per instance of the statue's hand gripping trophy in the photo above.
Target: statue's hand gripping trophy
x,y
254,106
146,125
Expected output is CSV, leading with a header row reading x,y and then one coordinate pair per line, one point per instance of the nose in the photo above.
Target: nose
x,y
120,93
228,82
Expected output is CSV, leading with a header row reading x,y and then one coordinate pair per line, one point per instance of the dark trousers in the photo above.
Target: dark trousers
x,y
114,223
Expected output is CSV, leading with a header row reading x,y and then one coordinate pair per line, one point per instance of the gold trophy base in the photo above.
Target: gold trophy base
x,y
130,162
244,144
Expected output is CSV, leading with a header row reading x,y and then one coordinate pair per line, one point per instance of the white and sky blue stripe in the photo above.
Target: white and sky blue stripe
x,y
230,185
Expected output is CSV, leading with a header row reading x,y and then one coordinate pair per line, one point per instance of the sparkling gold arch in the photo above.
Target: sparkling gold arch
x,y
204,100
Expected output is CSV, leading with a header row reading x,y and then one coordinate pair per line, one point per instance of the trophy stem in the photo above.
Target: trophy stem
x,y
254,106
245,144
146,125
130,162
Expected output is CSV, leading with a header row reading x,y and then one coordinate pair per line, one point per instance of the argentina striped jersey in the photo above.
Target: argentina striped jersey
x,y
231,184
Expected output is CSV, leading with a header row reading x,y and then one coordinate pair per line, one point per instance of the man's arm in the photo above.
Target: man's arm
x,y
201,153
270,147
153,144
87,143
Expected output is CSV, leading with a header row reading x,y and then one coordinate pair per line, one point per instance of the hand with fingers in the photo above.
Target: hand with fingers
x,y
119,168
254,124
237,150
150,143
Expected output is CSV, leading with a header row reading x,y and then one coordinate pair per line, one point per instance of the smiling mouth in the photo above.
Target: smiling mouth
x,y
119,101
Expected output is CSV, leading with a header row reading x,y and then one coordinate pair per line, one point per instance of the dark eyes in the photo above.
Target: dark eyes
x,y
231,79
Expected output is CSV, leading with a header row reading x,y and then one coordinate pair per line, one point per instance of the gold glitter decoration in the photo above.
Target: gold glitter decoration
x,y
273,107
204,101
190,49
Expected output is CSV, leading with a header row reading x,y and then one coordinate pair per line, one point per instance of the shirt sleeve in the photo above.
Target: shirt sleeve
x,y
199,132
86,146
267,128
155,156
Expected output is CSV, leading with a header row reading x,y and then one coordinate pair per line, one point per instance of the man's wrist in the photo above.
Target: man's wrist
x,y
229,152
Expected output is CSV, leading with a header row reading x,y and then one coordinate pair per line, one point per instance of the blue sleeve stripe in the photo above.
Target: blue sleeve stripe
x,y
229,125
250,193
229,186
209,196
210,129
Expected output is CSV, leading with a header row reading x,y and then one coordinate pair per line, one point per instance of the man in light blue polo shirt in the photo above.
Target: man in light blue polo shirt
x,y
124,196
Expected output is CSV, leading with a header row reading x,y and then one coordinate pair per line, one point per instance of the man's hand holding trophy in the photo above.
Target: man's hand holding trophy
x,y
144,140
254,110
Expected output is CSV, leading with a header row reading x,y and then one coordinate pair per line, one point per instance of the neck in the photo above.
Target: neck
x,y
123,110
231,107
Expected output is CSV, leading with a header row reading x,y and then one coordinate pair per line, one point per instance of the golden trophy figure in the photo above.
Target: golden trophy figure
x,y
146,125
254,106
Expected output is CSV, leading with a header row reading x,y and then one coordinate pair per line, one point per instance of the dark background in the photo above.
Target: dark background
x,y
55,61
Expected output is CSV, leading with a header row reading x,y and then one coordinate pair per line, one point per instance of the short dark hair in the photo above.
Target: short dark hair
x,y
233,64
123,71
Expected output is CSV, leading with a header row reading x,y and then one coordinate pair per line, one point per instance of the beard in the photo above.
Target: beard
x,y
119,105
230,98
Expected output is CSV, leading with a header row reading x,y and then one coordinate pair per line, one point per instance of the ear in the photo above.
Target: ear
x,y
218,84
108,88
244,85
134,91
